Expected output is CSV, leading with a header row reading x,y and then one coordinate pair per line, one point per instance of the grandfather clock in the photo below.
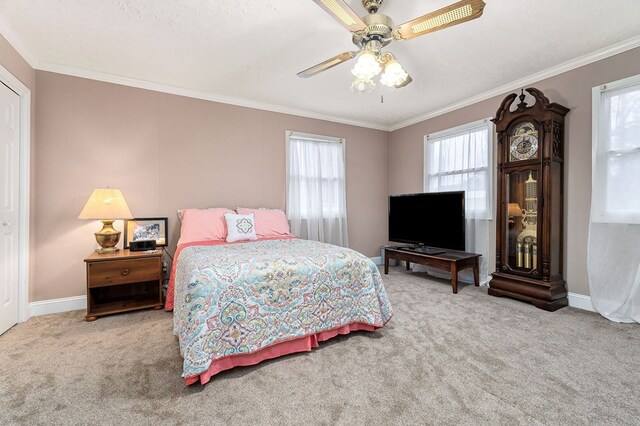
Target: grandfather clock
x,y
530,214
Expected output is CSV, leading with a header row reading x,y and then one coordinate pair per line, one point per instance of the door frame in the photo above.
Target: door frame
x,y
24,183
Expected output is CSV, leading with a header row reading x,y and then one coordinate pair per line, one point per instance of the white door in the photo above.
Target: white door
x,y
9,163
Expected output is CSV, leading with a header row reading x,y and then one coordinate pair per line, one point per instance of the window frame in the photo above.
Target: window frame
x,y
489,169
600,211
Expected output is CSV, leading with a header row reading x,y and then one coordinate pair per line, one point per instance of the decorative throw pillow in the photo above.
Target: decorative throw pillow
x,y
203,225
269,222
241,227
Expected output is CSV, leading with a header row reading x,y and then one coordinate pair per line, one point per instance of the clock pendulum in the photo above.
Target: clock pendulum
x,y
527,249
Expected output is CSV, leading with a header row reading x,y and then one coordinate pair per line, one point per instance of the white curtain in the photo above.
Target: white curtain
x,y
461,160
614,233
316,196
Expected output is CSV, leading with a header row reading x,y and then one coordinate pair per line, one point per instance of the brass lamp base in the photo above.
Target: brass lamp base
x,y
107,238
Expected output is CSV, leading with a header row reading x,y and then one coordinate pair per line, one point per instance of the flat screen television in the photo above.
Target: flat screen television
x,y
431,219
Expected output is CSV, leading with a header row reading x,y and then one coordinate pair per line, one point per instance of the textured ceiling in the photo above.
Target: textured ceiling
x,y
251,50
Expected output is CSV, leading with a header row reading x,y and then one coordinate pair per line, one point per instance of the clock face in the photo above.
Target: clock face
x,y
523,143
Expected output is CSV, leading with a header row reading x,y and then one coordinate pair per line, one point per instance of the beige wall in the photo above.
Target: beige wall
x,y
167,152
572,89
12,61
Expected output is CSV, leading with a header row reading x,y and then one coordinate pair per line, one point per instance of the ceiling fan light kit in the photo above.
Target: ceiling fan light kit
x,y
394,75
374,31
362,86
367,66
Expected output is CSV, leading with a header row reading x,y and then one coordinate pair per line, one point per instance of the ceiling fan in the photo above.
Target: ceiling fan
x,y
374,31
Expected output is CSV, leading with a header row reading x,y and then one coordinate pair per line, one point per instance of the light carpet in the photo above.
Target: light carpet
x,y
443,359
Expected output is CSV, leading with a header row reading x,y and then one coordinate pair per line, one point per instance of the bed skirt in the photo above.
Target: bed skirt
x,y
302,344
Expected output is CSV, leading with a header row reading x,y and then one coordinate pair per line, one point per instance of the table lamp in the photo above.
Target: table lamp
x,y
514,211
106,205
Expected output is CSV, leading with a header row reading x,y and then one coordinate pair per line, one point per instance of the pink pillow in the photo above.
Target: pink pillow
x,y
203,225
269,222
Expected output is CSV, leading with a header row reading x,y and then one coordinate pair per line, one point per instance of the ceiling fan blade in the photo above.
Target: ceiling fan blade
x,y
404,83
454,14
329,63
342,13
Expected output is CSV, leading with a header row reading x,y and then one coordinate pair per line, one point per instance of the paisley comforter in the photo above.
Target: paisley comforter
x,y
236,299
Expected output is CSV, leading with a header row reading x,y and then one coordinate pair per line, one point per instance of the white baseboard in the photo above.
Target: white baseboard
x,y
66,304
377,260
580,301
54,306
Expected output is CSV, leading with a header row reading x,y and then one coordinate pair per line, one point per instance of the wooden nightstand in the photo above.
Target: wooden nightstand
x,y
123,281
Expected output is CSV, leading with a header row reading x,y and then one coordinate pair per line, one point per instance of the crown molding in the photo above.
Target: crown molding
x,y
197,94
607,52
7,31
572,64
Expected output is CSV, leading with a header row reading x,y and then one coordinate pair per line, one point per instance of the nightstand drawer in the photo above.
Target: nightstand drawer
x,y
116,272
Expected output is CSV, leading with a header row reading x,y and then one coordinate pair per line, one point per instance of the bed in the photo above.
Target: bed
x,y
240,303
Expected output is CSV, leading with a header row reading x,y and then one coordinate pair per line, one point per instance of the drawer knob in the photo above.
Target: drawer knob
x,y
125,272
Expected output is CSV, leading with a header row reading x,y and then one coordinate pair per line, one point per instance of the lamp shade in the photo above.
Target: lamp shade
x,y
106,204
515,210
366,67
394,74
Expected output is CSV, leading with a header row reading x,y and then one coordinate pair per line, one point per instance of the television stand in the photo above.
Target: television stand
x,y
447,260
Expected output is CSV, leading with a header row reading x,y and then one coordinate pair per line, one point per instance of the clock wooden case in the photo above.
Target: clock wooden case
x,y
529,246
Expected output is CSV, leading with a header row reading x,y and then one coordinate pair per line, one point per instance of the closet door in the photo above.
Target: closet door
x,y
9,193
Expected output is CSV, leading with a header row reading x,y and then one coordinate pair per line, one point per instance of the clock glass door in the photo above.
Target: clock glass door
x,y
522,227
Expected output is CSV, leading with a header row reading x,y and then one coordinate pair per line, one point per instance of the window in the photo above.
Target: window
x,y
316,197
616,149
459,159
613,252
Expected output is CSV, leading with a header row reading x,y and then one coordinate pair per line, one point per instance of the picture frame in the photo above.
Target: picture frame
x,y
146,228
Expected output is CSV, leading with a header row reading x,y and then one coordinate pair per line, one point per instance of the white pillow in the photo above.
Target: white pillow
x,y
240,227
